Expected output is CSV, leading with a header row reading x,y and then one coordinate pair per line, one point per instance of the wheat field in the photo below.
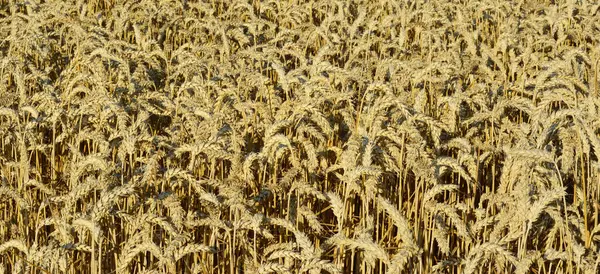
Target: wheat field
x,y
147,136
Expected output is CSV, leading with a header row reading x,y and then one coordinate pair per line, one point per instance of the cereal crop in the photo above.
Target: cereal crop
x,y
299,136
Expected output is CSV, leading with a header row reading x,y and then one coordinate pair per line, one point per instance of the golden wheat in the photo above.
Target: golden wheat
x,y
299,136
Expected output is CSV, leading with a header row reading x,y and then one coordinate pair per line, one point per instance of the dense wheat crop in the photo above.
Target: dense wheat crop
x,y
143,136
